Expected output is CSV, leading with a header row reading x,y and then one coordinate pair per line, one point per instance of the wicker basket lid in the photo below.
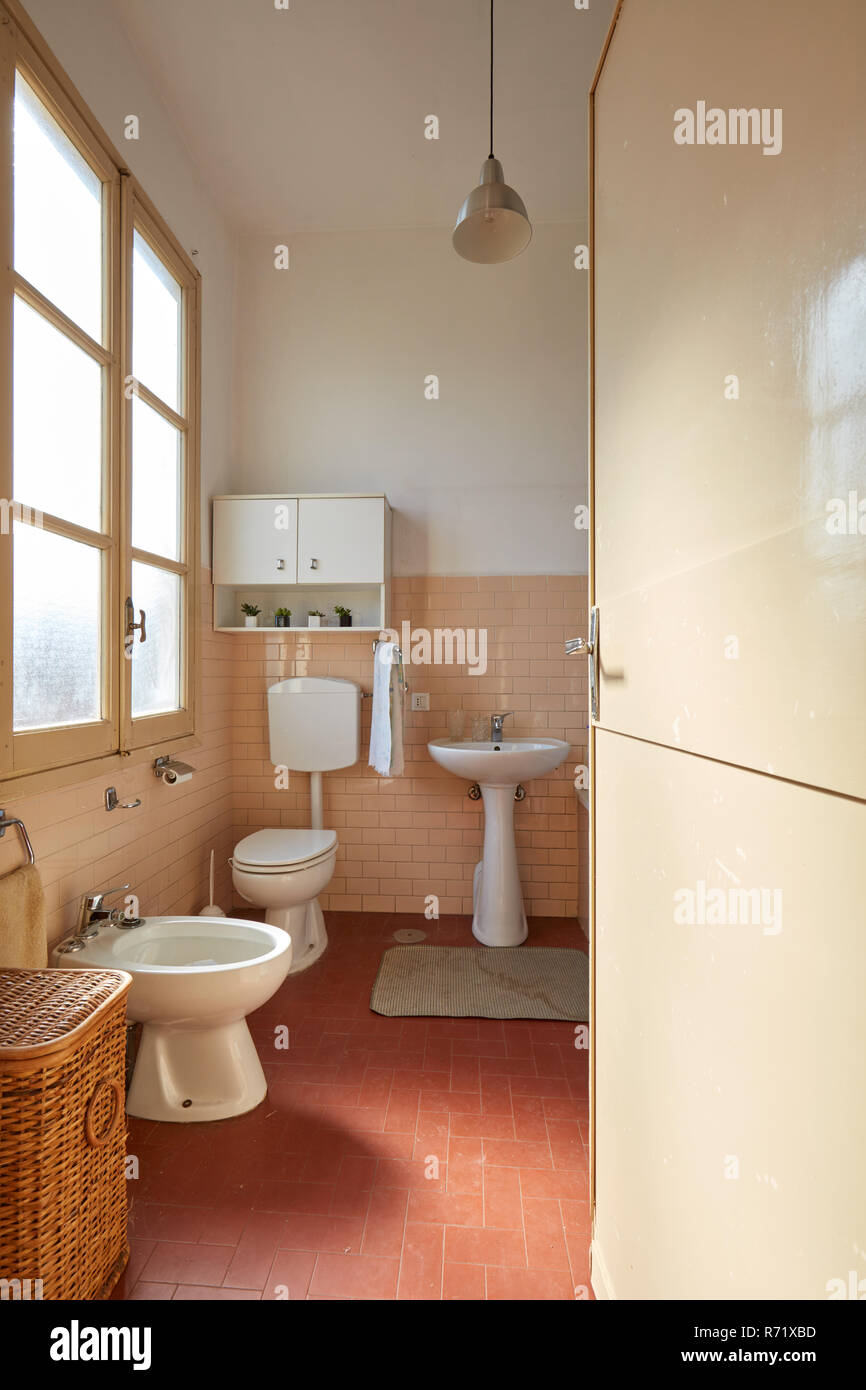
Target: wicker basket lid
x,y
42,1010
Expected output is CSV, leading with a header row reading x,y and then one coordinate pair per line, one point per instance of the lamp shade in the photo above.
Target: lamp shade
x,y
492,224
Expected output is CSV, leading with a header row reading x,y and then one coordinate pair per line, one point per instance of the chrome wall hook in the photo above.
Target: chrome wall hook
x,y
113,802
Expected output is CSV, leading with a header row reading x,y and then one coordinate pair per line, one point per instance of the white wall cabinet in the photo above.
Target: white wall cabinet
x,y
303,552
341,540
255,540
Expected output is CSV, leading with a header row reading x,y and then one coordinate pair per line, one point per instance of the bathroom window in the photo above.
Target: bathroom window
x,y
99,512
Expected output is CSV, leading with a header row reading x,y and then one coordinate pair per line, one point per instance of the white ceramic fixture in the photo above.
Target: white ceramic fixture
x,y
194,980
315,727
499,918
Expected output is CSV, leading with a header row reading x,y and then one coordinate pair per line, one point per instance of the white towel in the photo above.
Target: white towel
x,y
386,727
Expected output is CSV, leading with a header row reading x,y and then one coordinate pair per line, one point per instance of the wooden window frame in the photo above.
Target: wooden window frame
x,y
54,757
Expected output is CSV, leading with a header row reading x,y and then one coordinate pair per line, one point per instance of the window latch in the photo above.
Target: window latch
x,y
132,626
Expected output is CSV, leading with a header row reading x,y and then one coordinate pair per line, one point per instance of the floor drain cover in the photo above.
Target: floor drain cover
x,y
408,936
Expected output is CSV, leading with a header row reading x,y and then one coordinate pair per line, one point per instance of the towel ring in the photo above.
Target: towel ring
x,y
13,820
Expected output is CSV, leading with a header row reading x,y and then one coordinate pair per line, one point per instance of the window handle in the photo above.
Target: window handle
x,y
132,626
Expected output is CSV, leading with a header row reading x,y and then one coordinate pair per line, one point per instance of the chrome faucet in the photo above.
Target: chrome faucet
x,y
496,725
92,915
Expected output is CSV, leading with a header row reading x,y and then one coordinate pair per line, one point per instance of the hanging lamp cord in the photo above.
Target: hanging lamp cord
x,y
491,79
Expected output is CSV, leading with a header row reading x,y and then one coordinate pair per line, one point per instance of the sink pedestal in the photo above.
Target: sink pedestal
x,y
499,918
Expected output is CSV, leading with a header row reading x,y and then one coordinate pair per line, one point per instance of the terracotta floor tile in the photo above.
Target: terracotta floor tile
x,y
446,1208
289,1276
530,1124
261,1239
545,1236
202,1292
152,1293
173,1262
295,1196
483,1126
513,1153
520,1285
355,1276
421,1265
385,1223
463,1283
539,1182
503,1205
332,1233
402,1112
485,1246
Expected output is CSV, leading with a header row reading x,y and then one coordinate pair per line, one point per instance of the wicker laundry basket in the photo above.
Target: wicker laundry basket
x,y
62,1132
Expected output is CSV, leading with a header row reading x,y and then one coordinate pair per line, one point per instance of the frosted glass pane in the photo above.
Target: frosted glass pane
x,y
156,662
156,319
57,422
156,491
56,613
58,214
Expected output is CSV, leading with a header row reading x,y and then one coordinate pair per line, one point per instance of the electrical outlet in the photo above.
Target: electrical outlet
x,y
420,701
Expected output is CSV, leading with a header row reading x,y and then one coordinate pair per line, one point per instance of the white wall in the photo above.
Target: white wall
x,y
331,360
93,48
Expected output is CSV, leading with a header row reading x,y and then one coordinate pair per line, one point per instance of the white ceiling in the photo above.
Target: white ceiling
x,y
314,116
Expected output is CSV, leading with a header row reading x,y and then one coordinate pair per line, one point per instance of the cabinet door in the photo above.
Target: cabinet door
x,y
255,540
341,540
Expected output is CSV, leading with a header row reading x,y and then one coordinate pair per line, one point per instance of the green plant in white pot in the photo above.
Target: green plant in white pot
x,y
251,613
314,617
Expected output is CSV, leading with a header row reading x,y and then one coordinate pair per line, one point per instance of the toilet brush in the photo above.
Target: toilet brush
x,y
211,910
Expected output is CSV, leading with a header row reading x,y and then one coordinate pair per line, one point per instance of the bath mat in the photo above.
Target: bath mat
x,y
482,982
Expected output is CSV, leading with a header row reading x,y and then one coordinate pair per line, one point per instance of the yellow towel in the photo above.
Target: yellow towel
x,y
23,943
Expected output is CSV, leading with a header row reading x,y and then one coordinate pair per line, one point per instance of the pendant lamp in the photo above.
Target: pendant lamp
x,y
492,224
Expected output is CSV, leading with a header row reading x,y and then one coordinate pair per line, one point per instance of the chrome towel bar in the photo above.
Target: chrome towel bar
x,y
13,820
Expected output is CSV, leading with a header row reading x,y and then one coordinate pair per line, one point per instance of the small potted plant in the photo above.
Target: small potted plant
x,y
314,617
282,617
251,613
344,614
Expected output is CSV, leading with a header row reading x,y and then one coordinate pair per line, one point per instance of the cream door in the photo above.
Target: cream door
x,y
729,571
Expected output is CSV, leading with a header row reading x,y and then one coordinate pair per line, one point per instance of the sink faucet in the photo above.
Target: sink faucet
x,y
496,725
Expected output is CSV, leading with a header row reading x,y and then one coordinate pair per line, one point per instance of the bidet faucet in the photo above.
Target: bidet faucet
x,y
92,915
496,725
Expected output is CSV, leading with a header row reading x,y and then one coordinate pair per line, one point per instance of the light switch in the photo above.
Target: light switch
x,y
420,701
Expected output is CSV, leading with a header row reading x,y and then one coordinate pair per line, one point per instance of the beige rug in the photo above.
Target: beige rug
x,y
483,982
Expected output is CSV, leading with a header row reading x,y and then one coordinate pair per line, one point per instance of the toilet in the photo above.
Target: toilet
x,y
315,727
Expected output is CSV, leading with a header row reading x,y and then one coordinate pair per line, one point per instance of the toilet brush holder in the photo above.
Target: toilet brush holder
x,y
211,910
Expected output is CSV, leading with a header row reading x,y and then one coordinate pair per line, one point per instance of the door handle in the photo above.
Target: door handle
x,y
580,646
132,626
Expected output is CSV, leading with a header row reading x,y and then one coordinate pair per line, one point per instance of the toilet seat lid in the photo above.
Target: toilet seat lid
x,y
267,849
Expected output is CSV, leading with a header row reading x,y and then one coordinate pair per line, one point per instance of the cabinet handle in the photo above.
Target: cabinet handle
x,y
281,564
314,564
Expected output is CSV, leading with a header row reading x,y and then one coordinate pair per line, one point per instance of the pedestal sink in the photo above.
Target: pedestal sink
x,y
498,917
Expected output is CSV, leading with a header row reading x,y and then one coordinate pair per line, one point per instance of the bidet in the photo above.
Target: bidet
x,y
194,980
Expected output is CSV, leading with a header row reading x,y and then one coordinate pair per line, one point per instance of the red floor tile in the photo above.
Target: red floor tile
x,y
173,1262
463,1283
386,1221
421,1265
355,1276
470,1245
